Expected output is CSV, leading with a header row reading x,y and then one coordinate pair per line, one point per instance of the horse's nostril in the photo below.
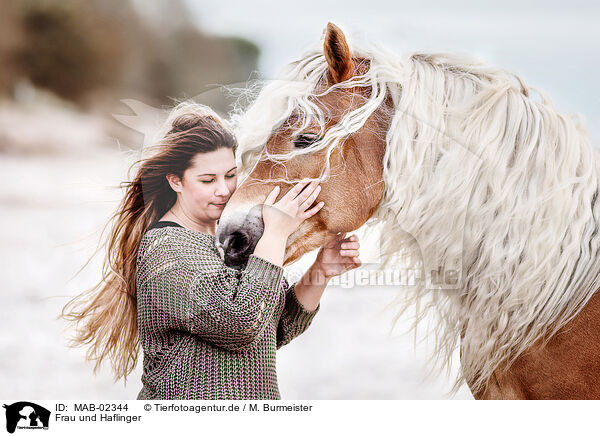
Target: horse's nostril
x,y
237,236
237,247
236,242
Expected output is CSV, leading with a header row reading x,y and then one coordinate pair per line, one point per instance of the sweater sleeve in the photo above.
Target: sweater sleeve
x,y
232,310
225,307
295,319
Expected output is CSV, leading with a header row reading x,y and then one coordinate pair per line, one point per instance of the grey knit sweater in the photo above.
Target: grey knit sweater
x,y
209,331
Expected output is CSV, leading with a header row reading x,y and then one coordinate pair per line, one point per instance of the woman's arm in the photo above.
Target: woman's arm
x,y
302,299
301,305
185,289
310,287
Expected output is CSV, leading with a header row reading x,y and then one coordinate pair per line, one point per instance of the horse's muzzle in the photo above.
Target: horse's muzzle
x,y
237,236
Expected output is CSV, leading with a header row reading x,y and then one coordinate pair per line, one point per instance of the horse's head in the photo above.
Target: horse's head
x,y
319,138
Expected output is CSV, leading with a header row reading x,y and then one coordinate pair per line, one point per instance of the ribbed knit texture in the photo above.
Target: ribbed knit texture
x,y
208,331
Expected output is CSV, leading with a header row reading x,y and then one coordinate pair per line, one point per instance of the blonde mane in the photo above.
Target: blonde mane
x,y
490,196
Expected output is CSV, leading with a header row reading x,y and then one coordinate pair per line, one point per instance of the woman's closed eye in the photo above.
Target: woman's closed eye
x,y
212,180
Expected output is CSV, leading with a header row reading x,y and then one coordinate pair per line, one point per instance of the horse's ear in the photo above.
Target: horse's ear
x,y
337,54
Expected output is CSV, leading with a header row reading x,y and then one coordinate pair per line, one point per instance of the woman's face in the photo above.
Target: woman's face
x,y
207,184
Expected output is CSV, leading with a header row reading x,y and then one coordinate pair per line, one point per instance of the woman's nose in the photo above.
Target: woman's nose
x,y
222,189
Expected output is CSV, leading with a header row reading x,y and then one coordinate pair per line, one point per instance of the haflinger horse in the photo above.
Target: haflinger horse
x,y
473,178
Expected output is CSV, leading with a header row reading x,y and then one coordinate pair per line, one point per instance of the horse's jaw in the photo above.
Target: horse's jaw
x,y
300,243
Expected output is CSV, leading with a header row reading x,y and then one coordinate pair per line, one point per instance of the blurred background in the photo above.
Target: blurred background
x,y
76,78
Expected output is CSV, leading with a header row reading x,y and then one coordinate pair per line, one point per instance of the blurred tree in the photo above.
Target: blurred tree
x,y
189,60
66,50
10,39
93,50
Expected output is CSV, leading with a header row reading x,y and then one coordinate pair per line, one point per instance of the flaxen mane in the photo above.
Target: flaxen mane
x,y
486,186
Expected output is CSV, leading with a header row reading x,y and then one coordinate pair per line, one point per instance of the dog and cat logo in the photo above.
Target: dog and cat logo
x,y
26,415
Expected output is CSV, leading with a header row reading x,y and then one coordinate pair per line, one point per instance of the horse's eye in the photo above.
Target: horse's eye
x,y
304,140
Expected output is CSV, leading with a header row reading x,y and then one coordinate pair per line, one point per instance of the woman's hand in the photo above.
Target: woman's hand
x,y
338,256
285,216
334,258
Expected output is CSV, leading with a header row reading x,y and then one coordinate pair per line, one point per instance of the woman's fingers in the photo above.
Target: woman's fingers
x,y
307,194
349,247
351,243
310,199
310,212
295,191
302,196
270,200
350,253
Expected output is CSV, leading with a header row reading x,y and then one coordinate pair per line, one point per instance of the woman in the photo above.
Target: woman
x,y
208,331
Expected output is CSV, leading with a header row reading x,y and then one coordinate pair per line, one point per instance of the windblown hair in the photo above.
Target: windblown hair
x,y
105,316
490,195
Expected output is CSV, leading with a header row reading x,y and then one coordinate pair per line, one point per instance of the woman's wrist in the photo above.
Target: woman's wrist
x,y
275,234
271,247
319,272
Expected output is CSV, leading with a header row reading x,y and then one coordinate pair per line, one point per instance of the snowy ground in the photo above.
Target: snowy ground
x,y
53,207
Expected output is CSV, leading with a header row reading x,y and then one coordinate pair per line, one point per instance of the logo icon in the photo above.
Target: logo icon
x,y
26,415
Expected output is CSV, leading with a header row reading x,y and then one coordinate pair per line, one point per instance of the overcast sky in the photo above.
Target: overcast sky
x,y
553,45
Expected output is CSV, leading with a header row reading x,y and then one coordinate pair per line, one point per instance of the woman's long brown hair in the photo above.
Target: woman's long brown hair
x,y
105,316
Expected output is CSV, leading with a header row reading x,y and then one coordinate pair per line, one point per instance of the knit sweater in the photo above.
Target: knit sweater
x,y
208,331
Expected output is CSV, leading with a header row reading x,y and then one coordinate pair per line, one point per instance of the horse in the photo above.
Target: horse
x,y
477,184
